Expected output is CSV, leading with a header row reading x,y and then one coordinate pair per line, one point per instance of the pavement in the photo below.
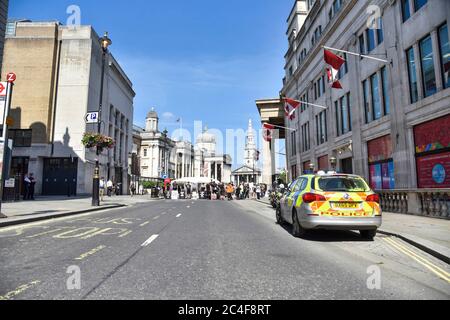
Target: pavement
x,y
428,234
44,208
207,250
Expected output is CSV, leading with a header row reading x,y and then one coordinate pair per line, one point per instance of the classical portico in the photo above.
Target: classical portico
x,y
271,111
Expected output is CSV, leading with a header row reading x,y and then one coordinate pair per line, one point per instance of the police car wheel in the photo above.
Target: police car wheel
x,y
368,234
297,230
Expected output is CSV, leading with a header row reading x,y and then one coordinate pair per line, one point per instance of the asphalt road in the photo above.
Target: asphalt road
x,y
206,250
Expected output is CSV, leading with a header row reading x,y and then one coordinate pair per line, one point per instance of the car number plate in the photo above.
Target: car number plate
x,y
345,205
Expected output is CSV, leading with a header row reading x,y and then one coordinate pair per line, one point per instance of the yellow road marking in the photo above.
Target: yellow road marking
x,y
421,258
19,290
144,224
426,263
90,253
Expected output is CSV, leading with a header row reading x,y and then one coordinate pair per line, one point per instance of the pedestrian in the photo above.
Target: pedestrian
x,y
102,186
109,186
230,191
258,192
32,186
27,186
132,189
238,192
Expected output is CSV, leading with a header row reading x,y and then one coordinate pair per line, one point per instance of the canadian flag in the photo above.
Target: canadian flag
x,y
290,105
268,131
334,63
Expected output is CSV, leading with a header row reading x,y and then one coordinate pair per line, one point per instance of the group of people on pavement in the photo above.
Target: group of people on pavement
x,y
109,188
251,191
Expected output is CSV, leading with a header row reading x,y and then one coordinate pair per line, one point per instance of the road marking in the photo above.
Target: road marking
x,y
90,253
144,224
156,218
150,240
164,213
188,207
19,290
125,234
178,215
421,260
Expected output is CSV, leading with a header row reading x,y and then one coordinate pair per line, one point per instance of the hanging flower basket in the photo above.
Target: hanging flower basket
x,y
95,140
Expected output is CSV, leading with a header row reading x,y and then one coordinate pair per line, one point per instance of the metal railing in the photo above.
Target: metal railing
x,y
433,203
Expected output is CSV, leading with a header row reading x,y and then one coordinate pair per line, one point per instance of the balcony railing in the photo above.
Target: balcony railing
x,y
433,203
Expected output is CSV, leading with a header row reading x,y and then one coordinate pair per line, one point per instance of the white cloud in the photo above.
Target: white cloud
x,y
168,116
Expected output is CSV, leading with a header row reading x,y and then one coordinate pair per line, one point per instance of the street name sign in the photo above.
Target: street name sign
x,y
91,117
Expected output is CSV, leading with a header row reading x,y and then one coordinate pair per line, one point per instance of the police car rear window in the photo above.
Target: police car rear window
x,y
343,184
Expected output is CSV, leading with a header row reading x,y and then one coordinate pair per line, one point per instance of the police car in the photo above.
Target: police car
x,y
330,201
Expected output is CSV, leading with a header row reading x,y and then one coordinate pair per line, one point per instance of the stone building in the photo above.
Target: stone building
x,y
58,81
3,25
250,171
391,121
156,148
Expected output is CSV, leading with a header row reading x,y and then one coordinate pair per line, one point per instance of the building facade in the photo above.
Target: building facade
x,y
249,172
156,150
3,24
391,121
58,82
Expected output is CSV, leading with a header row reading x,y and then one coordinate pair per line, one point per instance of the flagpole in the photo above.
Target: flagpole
x,y
356,54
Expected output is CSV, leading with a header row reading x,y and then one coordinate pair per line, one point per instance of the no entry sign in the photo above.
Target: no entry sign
x,y
11,77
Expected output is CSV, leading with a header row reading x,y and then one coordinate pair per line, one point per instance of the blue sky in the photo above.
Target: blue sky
x,y
203,60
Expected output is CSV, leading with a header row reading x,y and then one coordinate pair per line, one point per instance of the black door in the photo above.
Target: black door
x,y
347,166
60,176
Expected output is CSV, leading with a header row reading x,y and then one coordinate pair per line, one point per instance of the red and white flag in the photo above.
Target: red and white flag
x,y
290,105
268,131
334,63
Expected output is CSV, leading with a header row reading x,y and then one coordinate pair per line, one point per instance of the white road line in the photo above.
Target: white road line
x,y
179,215
164,213
150,240
188,207
156,218
144,224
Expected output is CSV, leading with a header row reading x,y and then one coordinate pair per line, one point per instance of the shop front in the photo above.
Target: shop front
x,y
432,148
381,163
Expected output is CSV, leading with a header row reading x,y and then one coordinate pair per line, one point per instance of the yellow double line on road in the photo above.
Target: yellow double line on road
x,y
419,259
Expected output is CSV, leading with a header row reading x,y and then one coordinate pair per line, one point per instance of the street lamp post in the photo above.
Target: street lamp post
x,y
105,42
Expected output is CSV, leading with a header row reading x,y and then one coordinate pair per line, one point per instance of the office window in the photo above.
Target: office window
x,y
414,94
10,29
321,127
336,110
370,33
385,84
362,46
406,12
427,65
444,47
380,35
419,4
344,69
345,115
367,108
21,138
376,102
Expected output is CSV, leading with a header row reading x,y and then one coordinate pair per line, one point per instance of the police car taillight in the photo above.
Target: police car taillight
x,y
373,198
312,197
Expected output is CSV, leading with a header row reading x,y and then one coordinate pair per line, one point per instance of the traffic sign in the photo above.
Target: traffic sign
x,y
3,89
91,117
11,77
164,176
